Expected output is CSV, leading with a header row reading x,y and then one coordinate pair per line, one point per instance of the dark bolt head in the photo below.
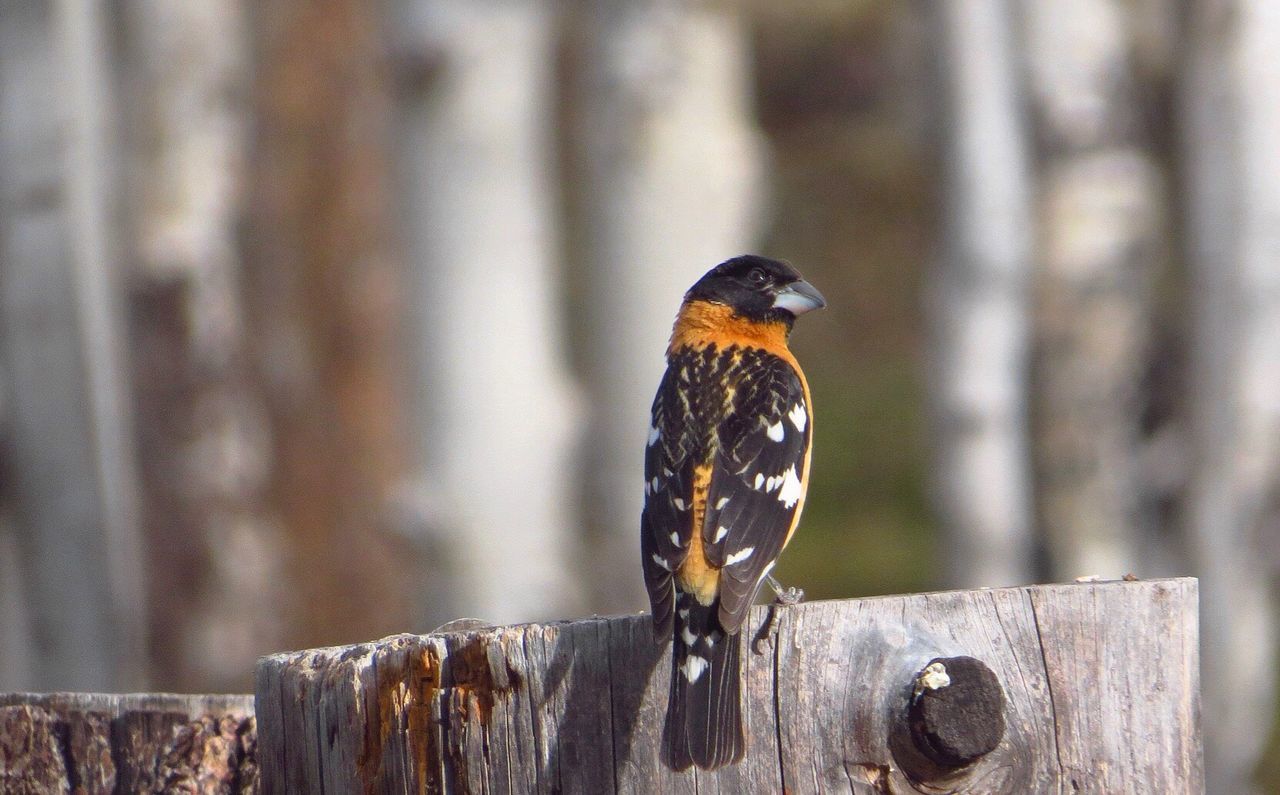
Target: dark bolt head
x,y
956,714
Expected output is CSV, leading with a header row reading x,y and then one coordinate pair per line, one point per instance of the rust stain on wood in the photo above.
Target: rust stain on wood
x,y
407,688
473,677
424,680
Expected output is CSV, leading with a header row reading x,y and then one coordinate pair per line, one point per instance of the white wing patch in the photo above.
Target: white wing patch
x,y
759,479
721,532
776,431
739,556
661,561
720,503
791,490
679,503
687,635
798,417
654,435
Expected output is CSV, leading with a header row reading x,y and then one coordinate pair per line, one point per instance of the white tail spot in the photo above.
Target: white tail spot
x,y
774,431
798,417
739,556
693,668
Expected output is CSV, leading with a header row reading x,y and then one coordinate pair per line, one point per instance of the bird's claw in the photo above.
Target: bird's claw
x,y
787,597
783,597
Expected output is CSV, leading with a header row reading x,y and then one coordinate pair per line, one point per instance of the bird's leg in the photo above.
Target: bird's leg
x,y
785,596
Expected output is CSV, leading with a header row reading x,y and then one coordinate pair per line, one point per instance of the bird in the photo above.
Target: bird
x,y
726,472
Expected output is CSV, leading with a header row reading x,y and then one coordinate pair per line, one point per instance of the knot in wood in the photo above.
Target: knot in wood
x,y
956,715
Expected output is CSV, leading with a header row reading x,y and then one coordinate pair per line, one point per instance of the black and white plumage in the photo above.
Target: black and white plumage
x,y
726,471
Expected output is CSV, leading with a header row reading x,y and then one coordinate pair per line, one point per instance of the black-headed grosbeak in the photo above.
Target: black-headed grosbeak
x,y
726,471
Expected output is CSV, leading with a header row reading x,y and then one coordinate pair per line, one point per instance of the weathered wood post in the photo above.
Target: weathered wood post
x,y
1088,687
144,742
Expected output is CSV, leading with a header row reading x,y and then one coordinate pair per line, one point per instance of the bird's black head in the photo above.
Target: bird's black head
x,y
758,288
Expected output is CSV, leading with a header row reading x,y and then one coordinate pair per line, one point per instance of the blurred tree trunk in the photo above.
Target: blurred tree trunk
x,y
978,302
215,551
322,293
70,462
1098,205
17,652
671,181
491,392
1231,105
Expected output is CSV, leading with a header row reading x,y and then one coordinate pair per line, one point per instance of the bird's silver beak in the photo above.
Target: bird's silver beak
x,y
798,298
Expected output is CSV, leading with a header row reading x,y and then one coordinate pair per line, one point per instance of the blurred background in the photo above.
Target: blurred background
x,y
321,321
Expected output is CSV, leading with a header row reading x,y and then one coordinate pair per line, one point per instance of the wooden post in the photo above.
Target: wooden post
x,y
101,743
1088,687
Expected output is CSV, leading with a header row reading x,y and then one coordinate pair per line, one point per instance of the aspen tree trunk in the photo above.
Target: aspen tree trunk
x,y
1231,103
672,174
18,652
494,411
203,447
1097,213
978,302
69,447
322,291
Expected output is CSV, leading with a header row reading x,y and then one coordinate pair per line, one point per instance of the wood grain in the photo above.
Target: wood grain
x,y
105,743
1101,682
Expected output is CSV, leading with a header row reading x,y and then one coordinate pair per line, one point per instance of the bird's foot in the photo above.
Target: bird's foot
x,y
783,597
786,597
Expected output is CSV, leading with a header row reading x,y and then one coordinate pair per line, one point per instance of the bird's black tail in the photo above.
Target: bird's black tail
x,y
704,710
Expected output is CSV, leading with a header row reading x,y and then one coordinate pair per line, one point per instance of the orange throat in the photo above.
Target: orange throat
x,y
702,323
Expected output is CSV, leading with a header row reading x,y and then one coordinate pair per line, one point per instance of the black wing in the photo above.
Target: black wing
x,y
759,479
668,485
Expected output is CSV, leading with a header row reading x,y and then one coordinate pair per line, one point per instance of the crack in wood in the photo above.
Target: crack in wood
x,y
1048,683
777,705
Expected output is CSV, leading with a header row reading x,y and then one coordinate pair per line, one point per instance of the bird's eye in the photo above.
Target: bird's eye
x,y
757,276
